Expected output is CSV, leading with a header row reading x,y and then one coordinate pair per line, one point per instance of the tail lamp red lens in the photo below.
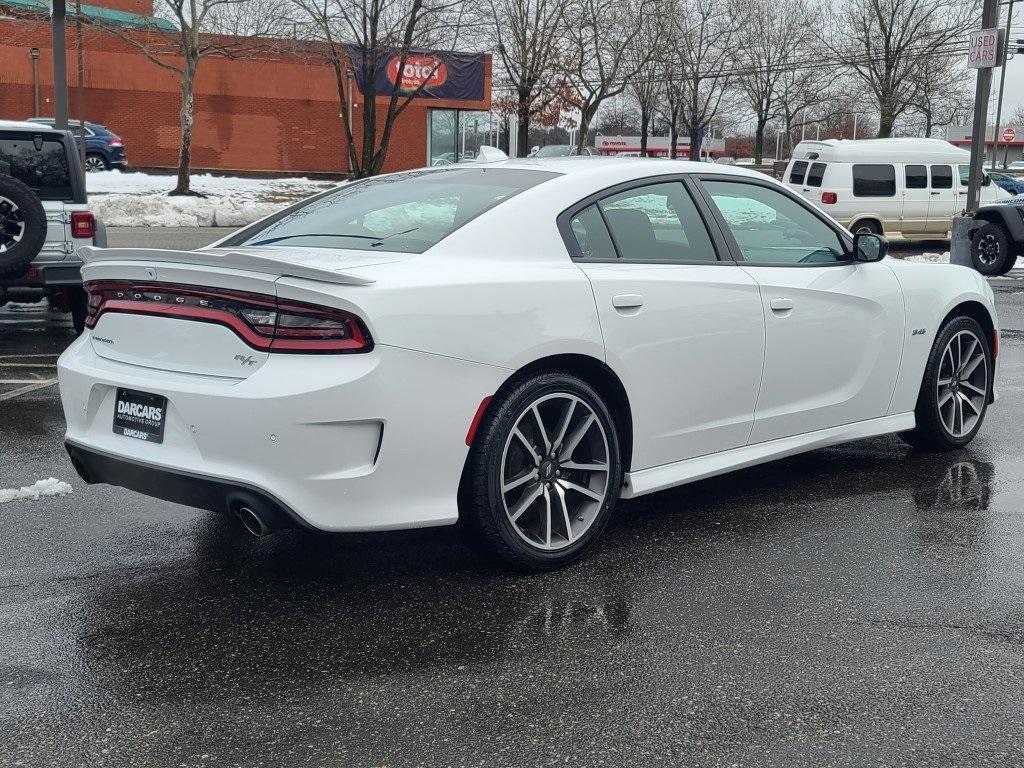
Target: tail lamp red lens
x,y
116,143
262,322
829,198
83,225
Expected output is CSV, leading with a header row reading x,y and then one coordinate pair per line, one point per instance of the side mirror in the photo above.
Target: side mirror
x,y
869,247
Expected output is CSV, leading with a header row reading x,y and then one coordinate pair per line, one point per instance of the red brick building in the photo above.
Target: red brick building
x,y
275,111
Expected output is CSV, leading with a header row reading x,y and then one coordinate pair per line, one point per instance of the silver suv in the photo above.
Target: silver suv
x,y
44,218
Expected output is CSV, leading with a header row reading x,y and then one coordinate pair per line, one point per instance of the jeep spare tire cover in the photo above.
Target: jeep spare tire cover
x,y
22,226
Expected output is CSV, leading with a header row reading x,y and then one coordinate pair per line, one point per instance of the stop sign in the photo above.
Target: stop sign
x,y
1009,134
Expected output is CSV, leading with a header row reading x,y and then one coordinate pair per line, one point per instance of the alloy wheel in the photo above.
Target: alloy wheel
x,y
93,164
555,471
12,224
988,249
962,385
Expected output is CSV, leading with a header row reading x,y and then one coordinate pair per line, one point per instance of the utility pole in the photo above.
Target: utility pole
x,y
855,126
1002,83
989,20
60,65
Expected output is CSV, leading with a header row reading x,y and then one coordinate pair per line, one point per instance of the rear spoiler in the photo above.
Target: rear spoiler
x,y
220,258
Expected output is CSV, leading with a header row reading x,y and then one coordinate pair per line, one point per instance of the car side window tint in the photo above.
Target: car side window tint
x,y
816,174
772,228
796,174
874,180
591,234
942,177
657,222
917,177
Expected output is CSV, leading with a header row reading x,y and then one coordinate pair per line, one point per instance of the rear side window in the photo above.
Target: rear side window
x,y
917,177
657,222
874,181
816,174
591,234
796,173
402,212
942,177
44,170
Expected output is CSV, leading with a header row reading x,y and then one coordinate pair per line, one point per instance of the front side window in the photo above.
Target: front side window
x,y
816,174
942,177
917,177
796,173
874,180
404,212
657,222
44,170
772,228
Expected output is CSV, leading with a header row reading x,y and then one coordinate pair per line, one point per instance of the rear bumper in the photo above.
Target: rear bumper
x,y
338,442
186,488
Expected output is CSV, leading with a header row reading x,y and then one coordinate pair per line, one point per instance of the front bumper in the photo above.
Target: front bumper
x,y
339,442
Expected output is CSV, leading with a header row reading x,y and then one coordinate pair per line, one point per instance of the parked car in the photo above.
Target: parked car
x,y
1014,185
513,346
752,161
997,239
44,218
561,150
104,149
904,188
1017,165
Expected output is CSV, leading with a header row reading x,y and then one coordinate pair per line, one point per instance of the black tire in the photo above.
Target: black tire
x,y
486,511
95,163
22,227
867,226
1010,263
78,306
931,432
990,250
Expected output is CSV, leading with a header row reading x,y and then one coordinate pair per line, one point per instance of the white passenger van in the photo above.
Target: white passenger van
x,y
902,188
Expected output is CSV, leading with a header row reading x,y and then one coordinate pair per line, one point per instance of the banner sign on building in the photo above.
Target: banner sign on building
x,y
442,74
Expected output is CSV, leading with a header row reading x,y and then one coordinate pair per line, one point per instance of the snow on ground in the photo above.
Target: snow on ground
x,y
939,258
49,487
140,199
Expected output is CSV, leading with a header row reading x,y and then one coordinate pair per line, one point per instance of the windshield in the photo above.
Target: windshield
x,y
402,212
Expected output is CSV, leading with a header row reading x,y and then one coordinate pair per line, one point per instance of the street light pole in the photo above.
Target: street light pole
x,y
60,66
1002,82
34,53
989,20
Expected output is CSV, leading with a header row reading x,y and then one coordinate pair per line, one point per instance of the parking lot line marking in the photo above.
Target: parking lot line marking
x,y
27,365
32,386
31,354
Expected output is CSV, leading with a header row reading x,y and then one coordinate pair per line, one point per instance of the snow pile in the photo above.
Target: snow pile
x,y
926,258
141,199
49,487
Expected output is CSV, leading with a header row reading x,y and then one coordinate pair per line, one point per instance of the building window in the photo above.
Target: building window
x,y
455,135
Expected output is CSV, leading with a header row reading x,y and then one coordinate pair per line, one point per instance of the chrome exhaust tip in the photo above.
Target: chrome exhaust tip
x,y
253,522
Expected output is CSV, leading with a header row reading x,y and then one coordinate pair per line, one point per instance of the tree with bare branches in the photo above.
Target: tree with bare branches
x,y
360,38
644,56
599,33
201,29
887,43
705,32
777,34
527,35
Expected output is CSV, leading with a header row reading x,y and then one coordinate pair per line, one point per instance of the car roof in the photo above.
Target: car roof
x,y
22,125
630,167
881,150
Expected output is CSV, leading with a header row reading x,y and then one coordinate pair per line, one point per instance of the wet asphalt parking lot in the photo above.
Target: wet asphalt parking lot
x,y
855,606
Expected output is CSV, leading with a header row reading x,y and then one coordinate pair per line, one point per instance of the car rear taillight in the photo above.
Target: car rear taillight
x,y
116,143
262,322
83,224
829,198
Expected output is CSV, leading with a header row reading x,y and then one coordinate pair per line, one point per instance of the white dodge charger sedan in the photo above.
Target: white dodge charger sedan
x,y
513,346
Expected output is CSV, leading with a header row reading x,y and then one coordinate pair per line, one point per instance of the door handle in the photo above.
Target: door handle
x,y
781,305
627,301
936,193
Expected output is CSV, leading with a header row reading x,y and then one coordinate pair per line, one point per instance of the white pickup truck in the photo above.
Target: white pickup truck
x,y
44,218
